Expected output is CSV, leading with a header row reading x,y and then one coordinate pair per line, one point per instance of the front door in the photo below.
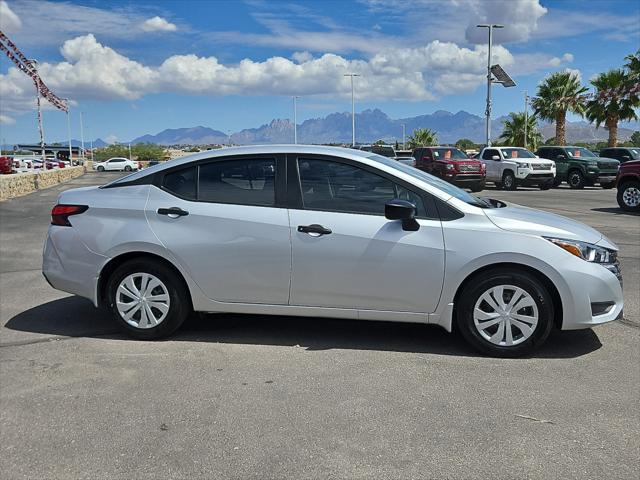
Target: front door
x,y
223,223
494,173
346,254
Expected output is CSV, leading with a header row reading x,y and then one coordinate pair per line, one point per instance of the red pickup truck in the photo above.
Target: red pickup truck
x,y
628,182
452,165
6,165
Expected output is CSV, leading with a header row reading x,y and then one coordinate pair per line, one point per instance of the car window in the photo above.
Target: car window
x,y
241,182
117,160
579,152
634,153
489,152
517,153
338,187
181,182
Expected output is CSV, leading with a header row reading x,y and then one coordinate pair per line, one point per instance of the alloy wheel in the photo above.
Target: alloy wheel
x,y
142,300
505,315
631,196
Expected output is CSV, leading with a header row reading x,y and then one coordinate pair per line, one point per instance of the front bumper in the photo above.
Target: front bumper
x,y
463,178
531,177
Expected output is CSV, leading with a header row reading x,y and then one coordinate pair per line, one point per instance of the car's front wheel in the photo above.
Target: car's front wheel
x,y
147,299
509,181
477,187
101,168
127,168
629,196
505,313
576,179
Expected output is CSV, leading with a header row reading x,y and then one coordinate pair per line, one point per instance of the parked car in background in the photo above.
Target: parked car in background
x,y
452,165
628,182
384,150
579,166
6,165
407,160
23,164
116,164
510,167
622,154
323,231
37,164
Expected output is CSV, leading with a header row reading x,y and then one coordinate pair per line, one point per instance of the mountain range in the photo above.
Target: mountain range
x,y
371,125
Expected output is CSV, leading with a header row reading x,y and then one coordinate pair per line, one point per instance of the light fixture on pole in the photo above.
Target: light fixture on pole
x,y
489,80
526,117
295,119
34,64
82,138
69,128
353,110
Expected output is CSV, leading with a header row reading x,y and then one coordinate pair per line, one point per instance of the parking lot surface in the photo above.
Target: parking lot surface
x,y
266,397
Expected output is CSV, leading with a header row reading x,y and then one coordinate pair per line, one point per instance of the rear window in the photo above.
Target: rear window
x,y
181,182
241,182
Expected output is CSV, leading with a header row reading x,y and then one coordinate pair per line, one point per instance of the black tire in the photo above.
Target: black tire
x,y
608,186
477,187
546,186
471,294
179,300
101,168
628,194
575,179
509,181
556,182
127,168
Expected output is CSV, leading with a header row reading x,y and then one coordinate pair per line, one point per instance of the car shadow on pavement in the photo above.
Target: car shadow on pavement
x,y
76,317
614,210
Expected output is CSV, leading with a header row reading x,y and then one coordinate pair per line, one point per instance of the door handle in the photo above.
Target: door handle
x,y
173,212
314,230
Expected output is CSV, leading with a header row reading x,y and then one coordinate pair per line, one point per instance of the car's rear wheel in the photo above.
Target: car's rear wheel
x,y
576,179
629,196
101,168
505,313
147,300
127,168
509,181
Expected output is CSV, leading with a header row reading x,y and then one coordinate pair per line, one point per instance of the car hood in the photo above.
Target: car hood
x,y
516,218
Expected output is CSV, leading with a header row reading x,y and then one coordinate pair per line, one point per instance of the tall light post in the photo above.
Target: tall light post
x,y
404,147
82,137
34,64
353,110
295,119
129,151
69,129
489,79
526,117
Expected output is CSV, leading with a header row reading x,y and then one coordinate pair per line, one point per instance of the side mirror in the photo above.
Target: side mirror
x,y
495,157
561,157
402,210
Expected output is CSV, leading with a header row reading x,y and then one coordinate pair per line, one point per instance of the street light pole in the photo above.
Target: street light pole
x,y
526,117
130,151
69,130
404,147
33,64
353,110
489,79
82,137
295,119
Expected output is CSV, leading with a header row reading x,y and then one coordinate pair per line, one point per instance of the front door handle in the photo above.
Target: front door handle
x,y
173,212
314,230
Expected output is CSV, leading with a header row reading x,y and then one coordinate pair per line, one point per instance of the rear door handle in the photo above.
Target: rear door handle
x,y
173,212
314,230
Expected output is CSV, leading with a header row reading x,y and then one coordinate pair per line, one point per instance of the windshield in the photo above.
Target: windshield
x,y
448,153
579,152
431,180
385,151
517,153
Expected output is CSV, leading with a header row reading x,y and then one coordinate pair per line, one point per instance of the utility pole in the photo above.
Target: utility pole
x,y
295,119
404,147
82,137
129,151
69,129
353,110
526,117
489,80
34,65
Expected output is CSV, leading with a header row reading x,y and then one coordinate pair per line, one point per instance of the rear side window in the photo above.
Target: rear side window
x,y
241,182
181,182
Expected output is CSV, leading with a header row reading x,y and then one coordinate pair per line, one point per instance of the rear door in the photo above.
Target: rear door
x,y
225,222
346,254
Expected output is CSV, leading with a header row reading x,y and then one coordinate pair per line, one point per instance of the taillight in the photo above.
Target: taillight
x,y
61,213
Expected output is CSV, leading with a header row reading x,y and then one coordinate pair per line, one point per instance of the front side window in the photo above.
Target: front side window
x,y
242,182
490,153
338,187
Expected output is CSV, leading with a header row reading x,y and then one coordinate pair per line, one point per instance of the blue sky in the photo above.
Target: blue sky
x,y
140,67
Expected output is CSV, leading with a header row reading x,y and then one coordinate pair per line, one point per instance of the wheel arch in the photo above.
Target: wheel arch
x,y
115,262
544,279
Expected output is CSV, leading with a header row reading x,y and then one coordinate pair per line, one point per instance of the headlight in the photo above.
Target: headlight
x,y
524,165
592,164
586,251
450,166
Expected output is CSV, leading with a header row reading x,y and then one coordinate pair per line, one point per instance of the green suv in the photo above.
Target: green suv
x,y
579,166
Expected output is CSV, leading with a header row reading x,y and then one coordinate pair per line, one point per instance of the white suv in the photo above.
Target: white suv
x,y
509,167
117,164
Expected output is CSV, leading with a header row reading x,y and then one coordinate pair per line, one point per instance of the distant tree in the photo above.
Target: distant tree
x,y
192,149
147,151
550,141
422,137
611,109
513,132
466,144
110,151
379,142
635,139
559,93
397,147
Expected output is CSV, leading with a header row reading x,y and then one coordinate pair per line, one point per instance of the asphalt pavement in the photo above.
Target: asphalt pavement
x,y
237,396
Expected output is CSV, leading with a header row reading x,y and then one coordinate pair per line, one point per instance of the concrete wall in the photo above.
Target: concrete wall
x,y
18,184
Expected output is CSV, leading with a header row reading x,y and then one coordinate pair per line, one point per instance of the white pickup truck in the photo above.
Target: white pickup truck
x,y
509,167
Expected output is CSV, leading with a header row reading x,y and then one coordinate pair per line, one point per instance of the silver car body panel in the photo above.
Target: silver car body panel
x,y
245,259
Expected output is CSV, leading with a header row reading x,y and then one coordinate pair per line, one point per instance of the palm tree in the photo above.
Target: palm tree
x,y
611,109
513,133
422,137
559,93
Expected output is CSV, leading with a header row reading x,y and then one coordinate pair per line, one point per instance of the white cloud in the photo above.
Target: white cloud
x,y
158,24
9,21
302,57
575,72
111,138
6,120
519,17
